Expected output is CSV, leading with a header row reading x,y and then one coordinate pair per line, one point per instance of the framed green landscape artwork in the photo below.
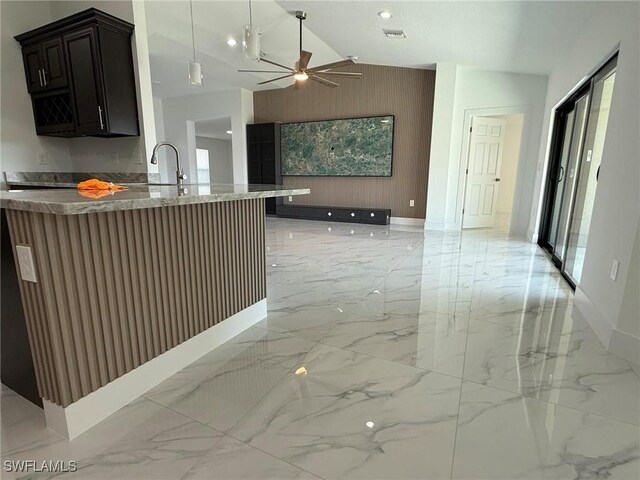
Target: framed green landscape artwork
x,y
353,147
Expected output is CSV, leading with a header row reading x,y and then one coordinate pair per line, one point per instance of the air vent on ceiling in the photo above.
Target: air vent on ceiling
x,y
394,33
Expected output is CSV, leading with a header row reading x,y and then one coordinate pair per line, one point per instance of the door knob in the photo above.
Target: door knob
x,y
497,179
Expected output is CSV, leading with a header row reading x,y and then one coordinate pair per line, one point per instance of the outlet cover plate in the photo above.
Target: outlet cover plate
x,y
25,260
614,269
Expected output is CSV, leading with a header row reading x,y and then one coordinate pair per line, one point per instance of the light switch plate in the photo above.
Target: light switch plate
x,y
412,203
115,158
25,261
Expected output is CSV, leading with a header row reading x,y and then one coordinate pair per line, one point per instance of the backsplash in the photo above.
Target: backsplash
x,y
72,178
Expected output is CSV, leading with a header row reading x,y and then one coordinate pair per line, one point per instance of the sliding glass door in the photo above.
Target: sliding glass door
x,y
576,156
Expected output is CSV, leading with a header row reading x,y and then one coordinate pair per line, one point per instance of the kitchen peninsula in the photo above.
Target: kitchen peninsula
x,y
122,291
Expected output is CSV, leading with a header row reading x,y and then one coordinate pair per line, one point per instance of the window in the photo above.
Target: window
x,y
202,163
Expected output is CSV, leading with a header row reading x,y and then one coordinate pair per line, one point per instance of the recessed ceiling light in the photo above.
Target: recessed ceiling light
x,y
370,424
229,132
385,14
301,371
232,42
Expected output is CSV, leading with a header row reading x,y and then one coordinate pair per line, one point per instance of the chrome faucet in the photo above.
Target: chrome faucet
x,y
180,175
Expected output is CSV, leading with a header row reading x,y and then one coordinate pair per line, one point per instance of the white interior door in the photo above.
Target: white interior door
x,y
483,172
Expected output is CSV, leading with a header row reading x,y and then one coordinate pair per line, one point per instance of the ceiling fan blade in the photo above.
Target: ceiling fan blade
x,y
261,71
342,63
305,56
277,64
354,76
276,79
323,81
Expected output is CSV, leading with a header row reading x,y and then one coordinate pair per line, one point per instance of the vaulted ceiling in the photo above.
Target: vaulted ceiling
x,y
523,37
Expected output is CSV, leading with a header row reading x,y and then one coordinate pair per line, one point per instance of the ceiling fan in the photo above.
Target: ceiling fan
x,y
301,71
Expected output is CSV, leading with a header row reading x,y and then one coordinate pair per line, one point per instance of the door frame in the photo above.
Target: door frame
x,y
553,160
525,111
468,167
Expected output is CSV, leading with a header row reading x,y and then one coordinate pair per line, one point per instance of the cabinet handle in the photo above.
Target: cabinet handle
x,y
40,77
44,77
100,114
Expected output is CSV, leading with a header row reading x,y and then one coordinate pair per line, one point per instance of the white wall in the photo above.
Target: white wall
x,y
440,154
180,113
617,203
478,92
220,158
508,169
20,146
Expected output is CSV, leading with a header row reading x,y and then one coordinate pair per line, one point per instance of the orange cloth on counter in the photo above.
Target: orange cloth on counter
x,y
95,184
95,194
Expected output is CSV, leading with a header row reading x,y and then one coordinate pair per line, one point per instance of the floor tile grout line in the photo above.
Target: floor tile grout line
x,y
464,363
529,397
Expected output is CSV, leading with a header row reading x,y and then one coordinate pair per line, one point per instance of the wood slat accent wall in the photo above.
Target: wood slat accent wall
x,y
117,289
404,92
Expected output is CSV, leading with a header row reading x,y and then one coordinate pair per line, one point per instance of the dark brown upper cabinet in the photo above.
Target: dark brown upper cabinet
x,y
79,72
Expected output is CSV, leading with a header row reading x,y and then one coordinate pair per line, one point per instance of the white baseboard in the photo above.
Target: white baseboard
x,y
83,414
625,345
593,317
418,222
617,342
442,227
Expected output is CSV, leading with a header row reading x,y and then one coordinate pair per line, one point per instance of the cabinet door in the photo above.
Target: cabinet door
x,y
32,58
86,85
54,71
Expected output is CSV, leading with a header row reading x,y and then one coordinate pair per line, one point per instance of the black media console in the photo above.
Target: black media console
x,y
372,216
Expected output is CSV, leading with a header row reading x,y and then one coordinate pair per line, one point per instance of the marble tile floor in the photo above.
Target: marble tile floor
x,y
426,356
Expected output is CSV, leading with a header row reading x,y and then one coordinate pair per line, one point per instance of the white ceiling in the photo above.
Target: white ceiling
x,y
214,128
511,36
170,45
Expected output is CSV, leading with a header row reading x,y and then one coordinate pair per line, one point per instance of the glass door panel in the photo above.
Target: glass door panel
x,y
571,174
588,175
560,183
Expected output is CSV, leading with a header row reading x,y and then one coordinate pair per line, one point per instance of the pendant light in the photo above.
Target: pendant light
x,y
195,68
251,42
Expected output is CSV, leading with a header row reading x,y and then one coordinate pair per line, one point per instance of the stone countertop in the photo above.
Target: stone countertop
x,y
63,201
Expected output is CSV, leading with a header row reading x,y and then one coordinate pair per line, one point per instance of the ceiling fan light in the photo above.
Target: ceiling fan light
x,y
302,76
251,43
195,74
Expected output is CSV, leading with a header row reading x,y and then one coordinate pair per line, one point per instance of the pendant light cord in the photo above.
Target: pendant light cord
x,y
250,15
193,35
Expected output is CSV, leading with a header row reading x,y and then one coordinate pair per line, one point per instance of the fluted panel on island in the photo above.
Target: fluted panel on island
x,y
117,289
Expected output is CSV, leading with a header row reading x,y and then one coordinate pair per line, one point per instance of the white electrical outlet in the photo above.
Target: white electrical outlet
x,y
614,269
43,158
138,157
412,203
25,260
115,158
290,198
